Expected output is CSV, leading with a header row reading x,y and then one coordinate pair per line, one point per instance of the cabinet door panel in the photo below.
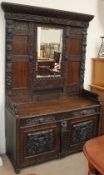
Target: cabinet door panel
x,y
81,130
39,143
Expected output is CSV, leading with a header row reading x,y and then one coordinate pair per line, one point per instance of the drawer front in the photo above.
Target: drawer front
x,y
85,112
39,120
36,120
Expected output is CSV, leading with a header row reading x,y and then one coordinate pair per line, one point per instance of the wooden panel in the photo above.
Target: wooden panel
x,y
20,45
20,27
97,85
74,46
98,72
73,74
43,139
38,141
20,75
81,130
100,92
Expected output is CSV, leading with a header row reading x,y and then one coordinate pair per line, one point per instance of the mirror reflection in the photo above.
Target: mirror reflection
x,y
49,52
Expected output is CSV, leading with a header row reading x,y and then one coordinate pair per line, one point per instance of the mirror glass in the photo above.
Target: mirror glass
x,y
49,52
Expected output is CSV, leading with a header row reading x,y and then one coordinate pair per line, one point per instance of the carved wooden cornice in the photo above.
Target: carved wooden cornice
x,y
54,13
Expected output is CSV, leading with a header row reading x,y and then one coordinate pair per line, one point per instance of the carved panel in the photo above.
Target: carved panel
x,y
9,36
32,53
32,43
83,53
11,106
37,120
39,142
64,136
20,27
42,19
82,132
84,112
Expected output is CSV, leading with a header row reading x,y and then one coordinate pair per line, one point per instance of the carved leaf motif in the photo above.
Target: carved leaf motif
x,y
82,132
39,142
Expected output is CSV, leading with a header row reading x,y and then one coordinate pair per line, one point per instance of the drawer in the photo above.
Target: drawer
x,y
37,120
85,112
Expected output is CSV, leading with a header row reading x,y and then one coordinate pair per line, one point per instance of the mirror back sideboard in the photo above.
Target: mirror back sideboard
x,y
48,113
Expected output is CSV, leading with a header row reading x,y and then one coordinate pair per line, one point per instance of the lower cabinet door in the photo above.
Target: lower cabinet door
x,y
39,143
80,130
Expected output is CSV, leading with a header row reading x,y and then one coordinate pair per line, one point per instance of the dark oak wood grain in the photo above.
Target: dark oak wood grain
x,y
51,116
21,69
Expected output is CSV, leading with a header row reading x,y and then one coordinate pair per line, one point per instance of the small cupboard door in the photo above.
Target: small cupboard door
x,y
39,143
76,131
80,130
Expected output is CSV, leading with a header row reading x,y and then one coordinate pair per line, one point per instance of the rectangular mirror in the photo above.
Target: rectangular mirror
x,y
49,52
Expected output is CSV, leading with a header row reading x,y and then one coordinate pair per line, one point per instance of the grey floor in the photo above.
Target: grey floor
x,y
75,164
